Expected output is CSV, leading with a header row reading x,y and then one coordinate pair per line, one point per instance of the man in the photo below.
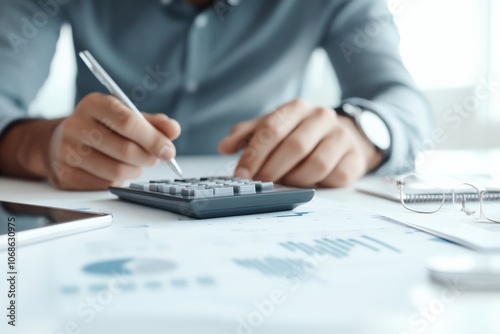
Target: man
x,y
209,66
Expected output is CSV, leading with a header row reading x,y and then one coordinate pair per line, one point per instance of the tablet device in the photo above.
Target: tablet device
x,y
30,223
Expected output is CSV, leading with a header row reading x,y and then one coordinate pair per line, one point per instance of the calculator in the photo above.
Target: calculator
x,y
210,197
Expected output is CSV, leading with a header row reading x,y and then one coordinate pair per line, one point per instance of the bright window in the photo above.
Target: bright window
x,y
495,57
452,49
444,43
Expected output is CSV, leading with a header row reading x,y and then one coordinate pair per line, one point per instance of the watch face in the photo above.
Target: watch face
x,y
375,130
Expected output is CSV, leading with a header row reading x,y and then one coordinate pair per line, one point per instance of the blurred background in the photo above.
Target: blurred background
x,y
451,47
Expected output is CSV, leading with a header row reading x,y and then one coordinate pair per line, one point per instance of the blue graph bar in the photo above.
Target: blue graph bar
x,y
339,247
333,250
273,266
345,243
382,243
375,249
287,246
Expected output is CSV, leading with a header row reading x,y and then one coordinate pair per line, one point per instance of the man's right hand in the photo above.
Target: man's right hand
x,y
102,143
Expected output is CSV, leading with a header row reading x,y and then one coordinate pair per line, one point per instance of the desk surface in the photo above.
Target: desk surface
x,y
185,291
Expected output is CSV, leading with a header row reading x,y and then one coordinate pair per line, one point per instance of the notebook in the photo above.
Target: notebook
x,y
387,188
384,187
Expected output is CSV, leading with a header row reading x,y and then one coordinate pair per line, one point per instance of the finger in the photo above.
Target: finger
x,y
109,168
298,145
112,113
238,138
348,170
269,133
168,126
83,133
125,151
321,162
76,179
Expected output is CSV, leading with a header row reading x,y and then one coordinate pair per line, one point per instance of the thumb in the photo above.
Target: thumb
x,y
238,137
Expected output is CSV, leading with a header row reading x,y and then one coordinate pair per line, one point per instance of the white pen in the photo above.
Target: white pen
x,y
113,88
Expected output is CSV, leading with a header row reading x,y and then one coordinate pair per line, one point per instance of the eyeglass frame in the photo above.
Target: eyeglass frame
x,y
400,184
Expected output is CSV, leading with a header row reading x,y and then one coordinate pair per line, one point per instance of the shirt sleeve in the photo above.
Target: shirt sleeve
x,y
28,37
363,44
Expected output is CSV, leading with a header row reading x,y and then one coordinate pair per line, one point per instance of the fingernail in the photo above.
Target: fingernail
x,y
242,172
166,153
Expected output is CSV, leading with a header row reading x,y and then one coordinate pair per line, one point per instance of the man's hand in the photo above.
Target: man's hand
x,y
303,146
102,143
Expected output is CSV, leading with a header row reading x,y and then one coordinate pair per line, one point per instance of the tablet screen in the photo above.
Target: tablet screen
x,y
31,223
29,217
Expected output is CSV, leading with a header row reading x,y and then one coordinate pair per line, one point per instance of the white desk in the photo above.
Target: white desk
x,y
363,296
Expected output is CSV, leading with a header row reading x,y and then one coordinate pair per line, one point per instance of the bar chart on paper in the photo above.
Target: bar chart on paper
x,y
301,253
208,255
339,247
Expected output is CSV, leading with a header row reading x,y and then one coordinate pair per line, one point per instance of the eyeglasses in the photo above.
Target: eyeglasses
x,y
429,193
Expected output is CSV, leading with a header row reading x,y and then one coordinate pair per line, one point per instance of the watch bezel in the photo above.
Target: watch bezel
x,y
356,113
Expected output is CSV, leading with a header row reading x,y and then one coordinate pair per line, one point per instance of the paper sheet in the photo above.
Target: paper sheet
x,y
451,224
321,264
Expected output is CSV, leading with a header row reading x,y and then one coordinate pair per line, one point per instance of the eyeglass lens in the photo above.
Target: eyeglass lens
x,y
491,205
424,193
466,199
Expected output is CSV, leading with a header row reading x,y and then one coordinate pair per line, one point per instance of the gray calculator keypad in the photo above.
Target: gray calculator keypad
x,y
204,187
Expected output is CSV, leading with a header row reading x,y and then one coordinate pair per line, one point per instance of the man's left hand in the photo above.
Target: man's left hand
x,y
303,146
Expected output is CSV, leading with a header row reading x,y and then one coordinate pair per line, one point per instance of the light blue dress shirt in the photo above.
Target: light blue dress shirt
x,y
212,68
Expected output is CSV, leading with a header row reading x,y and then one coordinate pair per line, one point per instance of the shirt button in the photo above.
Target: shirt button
x,y
191,86
201,21
165,2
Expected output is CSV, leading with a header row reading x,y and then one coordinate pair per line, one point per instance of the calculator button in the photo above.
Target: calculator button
x,y
153,186
244,188
175,189
183,184
223,191
207,183
244,180
197,192
263,186
140,186
163,188
232,183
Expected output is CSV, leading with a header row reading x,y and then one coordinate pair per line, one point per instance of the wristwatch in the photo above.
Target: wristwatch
x,y
373,127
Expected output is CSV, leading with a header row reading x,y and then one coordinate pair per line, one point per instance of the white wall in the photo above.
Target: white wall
x,y
56,98
448,47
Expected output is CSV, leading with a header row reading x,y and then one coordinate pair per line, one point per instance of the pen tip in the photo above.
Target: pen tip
x,y
175,167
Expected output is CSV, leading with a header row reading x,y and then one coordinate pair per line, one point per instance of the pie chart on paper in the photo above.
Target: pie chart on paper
x,y
130,266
